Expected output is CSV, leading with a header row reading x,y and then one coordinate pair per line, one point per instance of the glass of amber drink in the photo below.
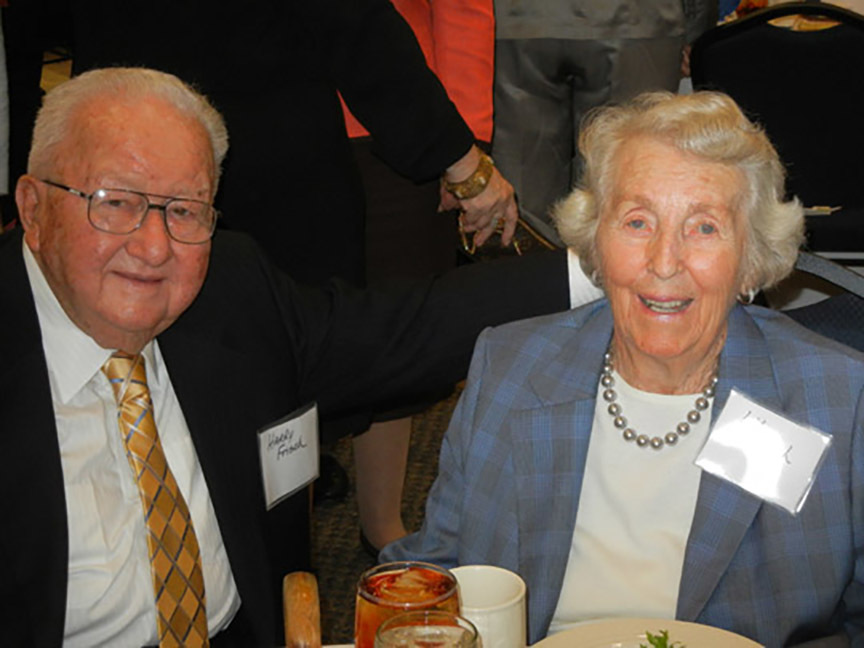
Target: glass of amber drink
x,y
393,588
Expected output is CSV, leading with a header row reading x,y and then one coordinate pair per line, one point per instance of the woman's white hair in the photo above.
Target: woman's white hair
x,y
61,105
709,125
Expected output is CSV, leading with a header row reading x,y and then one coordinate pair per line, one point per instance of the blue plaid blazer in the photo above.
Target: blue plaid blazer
x,y
512,462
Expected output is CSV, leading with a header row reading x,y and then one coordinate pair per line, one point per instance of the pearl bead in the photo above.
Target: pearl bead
x,y
614,409
629,434
620,422
701,403
607,380
671,438
694,417
683,428
656,443
642,440
609,395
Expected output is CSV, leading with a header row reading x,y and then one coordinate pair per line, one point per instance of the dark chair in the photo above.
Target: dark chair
x,y
806,88
840,317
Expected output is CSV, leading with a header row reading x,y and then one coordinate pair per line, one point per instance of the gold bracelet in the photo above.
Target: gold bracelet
x,y
474,184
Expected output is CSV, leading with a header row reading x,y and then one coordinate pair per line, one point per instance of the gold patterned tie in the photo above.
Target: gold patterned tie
x,y
175,559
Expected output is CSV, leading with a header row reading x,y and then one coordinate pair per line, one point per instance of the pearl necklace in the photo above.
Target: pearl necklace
x,y
643,440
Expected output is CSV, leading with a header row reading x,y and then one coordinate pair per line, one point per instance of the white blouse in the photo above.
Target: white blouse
x,y
635,512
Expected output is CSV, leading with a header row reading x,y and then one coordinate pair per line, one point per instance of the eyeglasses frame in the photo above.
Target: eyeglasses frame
x,y
150,205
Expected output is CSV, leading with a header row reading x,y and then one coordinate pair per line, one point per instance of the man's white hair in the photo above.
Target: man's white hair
x,y
62,103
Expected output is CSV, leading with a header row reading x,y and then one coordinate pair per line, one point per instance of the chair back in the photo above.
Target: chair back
x,y
301,610
806,88
840,317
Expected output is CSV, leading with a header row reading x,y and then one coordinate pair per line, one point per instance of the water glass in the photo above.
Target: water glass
x,y
427,629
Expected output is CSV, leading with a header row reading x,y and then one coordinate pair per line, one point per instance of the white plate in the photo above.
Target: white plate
x,y
629,633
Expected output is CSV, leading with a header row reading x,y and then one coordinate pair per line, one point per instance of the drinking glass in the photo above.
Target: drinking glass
x,y
392,588
427,629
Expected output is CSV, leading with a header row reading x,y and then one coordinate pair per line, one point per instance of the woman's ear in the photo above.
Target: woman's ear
x,y
747,290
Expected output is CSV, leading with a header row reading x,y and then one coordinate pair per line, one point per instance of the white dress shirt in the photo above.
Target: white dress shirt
x,y
110,598
635,512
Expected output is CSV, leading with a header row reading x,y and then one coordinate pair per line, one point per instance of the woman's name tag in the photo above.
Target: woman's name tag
x,y
764,453
289,454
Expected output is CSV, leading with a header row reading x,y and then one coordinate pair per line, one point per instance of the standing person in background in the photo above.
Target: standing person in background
x,y
557,59
406,233
273,69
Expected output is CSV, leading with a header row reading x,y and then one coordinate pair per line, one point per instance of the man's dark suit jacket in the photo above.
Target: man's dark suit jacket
x,y
252,348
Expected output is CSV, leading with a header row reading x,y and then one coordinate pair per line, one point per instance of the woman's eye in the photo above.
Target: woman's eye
x,y
706,229
636,223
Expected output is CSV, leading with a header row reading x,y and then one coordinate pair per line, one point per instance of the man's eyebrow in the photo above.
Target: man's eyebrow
x,y
199,194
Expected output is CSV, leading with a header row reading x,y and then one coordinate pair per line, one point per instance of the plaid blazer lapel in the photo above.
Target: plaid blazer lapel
x,y
724,512
549,464
550,445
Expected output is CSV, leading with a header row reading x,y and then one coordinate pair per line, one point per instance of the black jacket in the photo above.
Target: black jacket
x,y
252,348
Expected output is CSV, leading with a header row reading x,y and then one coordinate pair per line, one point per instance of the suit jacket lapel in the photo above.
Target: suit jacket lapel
x,y
35,522
550,447
724,512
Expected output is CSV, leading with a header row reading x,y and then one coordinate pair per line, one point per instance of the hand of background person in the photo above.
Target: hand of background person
x,y
482,213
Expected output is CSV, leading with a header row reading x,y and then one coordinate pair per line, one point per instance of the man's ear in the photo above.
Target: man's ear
x,y
28,197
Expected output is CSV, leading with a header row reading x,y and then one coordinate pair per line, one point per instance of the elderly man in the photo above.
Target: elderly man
x,y
124,316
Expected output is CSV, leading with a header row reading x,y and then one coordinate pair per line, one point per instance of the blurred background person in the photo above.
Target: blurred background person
x,y
557,59
409,232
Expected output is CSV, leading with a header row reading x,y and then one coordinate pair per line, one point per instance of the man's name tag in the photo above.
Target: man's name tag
x,y
764,453
289,454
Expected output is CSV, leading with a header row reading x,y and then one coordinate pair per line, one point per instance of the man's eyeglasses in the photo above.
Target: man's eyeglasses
x,y
122,211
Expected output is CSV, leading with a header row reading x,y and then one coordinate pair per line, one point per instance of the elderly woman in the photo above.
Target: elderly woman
x,y
570,458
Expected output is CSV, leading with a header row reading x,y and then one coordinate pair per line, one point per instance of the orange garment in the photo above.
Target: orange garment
x,y
458,39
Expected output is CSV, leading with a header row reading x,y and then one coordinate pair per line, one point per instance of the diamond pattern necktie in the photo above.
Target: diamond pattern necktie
x,y
175,560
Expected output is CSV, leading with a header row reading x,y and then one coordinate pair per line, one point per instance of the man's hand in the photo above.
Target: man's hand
x,y
482,214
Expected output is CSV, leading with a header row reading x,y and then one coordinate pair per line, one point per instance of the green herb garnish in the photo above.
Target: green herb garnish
x,y
660,640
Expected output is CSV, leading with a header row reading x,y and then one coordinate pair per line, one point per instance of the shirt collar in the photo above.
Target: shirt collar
x,y
72,356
